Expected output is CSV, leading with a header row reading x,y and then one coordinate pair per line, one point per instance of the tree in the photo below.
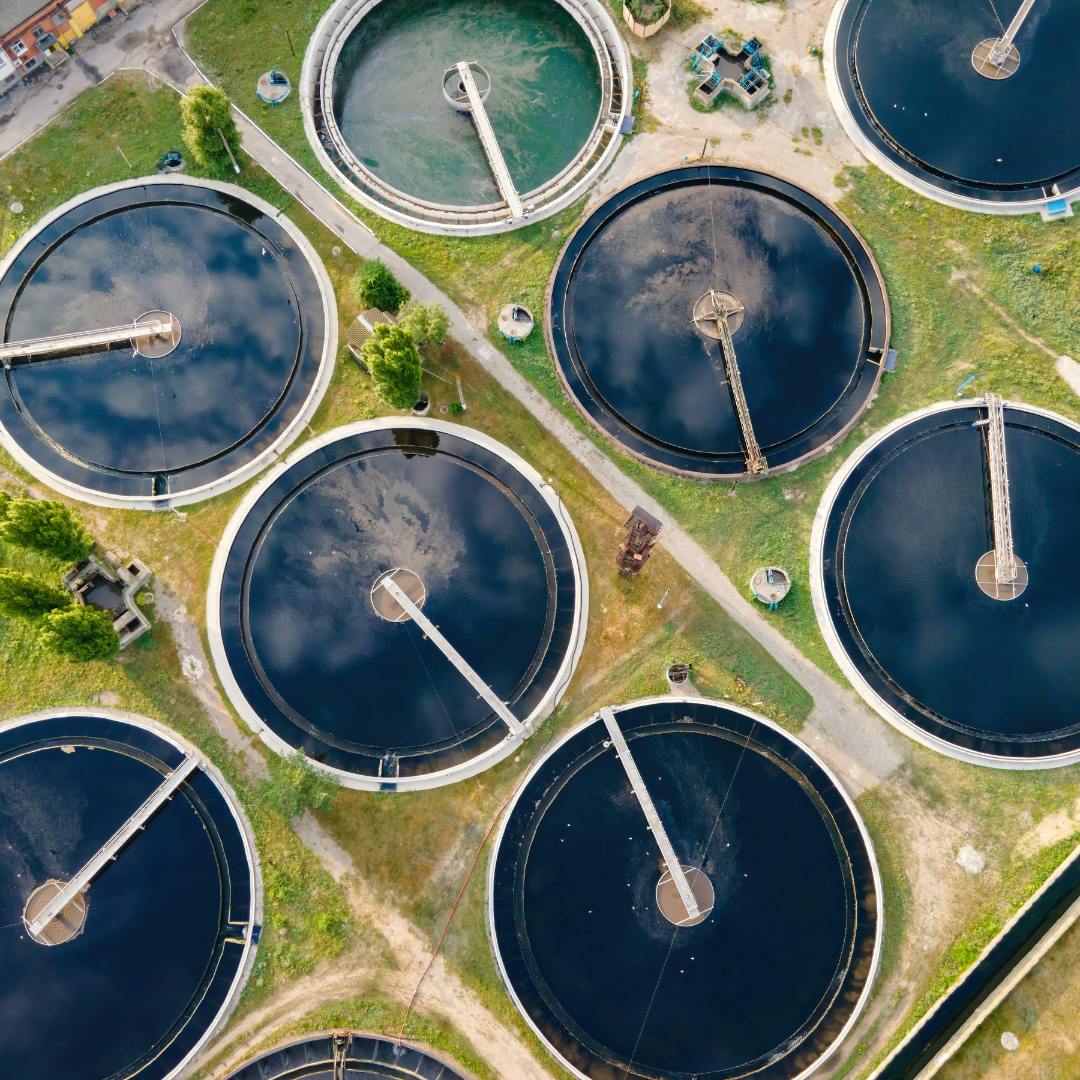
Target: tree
x,y
21,594
392,358
80,633
427,323
207,116
47,526
294,786
374,286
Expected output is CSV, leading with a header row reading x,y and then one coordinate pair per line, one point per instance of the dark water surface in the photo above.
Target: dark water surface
x,y
390,108
342,679
135,983
624,297
913,71
765,982
904,537
250,318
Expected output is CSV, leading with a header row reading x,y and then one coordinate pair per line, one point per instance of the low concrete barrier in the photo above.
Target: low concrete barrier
x,y
645,30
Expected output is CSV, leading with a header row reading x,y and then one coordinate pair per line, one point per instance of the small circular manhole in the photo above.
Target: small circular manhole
x,y
386,607
992,66
66,924
986,578
714,305
671,904
156,334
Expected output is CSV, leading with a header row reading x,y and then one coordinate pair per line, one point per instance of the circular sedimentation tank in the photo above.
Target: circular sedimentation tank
x,y
385,114
913,86
317,655
635,299
247,334
347,1056
768,983
136,971
898,549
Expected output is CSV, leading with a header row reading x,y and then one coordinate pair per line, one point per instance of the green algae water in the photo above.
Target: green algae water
x,y
389,104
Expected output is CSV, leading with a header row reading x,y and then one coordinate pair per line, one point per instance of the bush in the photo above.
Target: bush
x,y
392,358
207,116
46,526
21,594
374,286
294,786
427,323
80,633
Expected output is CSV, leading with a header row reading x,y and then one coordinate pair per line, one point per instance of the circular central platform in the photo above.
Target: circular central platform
x,y
628,321
386,605
66,922
387,111
903,581
181,414
714,305
914,87
357,1056
671,904
157,333
769,983
146,961
318,656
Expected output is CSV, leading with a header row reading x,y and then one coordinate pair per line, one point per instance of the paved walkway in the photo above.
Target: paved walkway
x,y
860,746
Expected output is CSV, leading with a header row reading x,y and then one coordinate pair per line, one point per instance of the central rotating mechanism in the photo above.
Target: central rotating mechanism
x,y
715,305
410,583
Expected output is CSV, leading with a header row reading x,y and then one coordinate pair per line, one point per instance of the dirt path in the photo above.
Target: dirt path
x,y
443,993
797,134
1065,366
196,669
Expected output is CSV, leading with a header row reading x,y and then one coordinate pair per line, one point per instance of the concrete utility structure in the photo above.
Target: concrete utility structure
x,y
132,876
681,865
404,601
993,133
112,586
163,340
769,585
362,89
730,66
968,650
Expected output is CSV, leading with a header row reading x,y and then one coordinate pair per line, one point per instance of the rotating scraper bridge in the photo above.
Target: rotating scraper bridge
x,y
514,208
